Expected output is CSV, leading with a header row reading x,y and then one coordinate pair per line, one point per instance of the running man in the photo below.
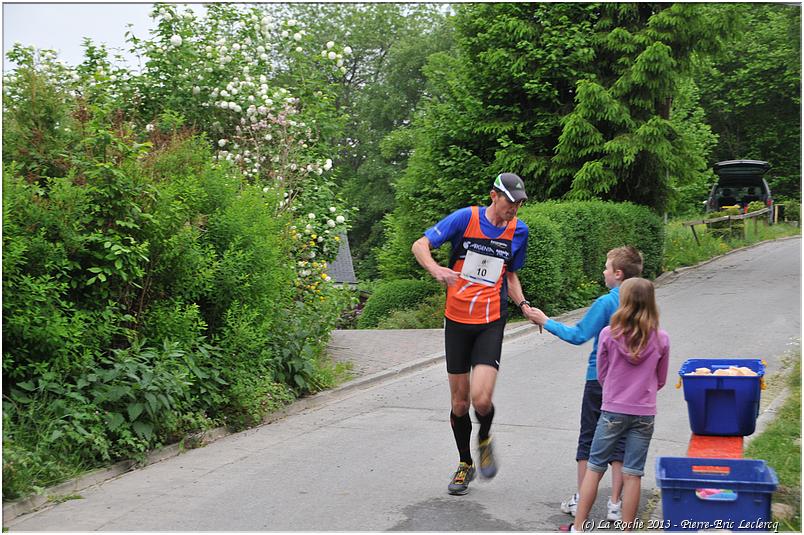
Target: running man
x,y
488,247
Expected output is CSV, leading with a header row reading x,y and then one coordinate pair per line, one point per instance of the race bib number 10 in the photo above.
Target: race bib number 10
x,y
481,269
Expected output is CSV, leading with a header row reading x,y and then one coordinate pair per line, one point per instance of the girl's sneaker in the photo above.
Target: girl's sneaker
x,y
571,505
614,510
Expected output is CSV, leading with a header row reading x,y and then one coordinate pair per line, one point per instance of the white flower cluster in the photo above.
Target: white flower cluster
x,y
336,57
259,127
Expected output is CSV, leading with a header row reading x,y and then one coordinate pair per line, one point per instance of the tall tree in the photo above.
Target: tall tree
x,y
620,142
576,98
379,91
752,93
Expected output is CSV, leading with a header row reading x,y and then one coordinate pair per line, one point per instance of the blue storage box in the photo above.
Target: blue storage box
x,y
709,494
721,404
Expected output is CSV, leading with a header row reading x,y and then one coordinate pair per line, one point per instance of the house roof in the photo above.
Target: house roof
x,y
342,269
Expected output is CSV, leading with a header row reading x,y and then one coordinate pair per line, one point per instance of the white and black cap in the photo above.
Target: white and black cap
x,y
512,186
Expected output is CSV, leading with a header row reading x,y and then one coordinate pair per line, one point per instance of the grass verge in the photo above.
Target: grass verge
x,y
780,446
681,249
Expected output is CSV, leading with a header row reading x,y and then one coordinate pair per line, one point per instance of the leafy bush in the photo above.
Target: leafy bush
x,y
755,206
729,229
36,129
166,237
548,268
117,286
428,315
681,249
567,248
395,295
792,208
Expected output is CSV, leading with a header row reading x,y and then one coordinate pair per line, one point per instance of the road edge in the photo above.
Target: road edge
x,y
669,276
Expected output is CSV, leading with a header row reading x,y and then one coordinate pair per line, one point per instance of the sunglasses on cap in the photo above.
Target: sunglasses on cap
x,y
503,195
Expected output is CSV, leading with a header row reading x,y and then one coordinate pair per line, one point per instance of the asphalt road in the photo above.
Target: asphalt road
x,y
380,458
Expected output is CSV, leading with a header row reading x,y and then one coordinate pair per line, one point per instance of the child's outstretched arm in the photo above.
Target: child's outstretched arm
x,y
517,295
590,325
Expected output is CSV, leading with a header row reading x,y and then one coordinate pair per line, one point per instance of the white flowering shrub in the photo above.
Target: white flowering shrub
x,y
264,94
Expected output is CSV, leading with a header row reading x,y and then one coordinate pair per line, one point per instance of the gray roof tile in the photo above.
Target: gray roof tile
x,y
341,269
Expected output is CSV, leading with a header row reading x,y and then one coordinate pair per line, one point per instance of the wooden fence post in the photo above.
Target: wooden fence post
x,y
692,227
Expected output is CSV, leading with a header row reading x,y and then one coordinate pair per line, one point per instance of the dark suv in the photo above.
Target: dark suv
x,y
740,182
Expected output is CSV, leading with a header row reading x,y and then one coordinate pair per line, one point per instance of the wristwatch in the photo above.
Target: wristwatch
x,y
523,302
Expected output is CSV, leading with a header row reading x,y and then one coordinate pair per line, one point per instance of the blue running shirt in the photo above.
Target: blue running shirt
x,y
451,229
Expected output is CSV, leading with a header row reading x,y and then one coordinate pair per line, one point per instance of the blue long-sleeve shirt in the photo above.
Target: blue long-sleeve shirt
x,y
595,319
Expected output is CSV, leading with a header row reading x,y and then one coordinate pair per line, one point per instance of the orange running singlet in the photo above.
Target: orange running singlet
x,y
472,302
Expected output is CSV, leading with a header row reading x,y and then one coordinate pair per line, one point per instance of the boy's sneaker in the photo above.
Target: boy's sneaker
x,y
460,481
488,466
571,505
614,510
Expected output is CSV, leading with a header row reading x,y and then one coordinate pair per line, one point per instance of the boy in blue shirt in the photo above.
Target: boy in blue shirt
x,y
621,263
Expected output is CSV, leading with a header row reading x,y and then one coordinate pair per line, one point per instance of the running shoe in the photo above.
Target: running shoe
x,y
460,481
488,466
571,505
567,527
614,511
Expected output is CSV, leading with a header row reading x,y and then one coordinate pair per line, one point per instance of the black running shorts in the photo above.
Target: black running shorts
x,y
468,345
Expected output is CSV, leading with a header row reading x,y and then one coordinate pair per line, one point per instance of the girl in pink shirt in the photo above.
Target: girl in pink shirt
x,y
632,360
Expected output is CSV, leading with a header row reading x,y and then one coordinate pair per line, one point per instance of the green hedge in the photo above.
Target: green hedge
x,y
568,243
395,295
567,247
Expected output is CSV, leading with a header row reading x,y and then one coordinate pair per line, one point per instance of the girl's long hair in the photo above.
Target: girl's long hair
x,y
638,317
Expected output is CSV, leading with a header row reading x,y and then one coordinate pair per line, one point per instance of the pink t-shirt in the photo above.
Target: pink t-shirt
x,y
631,387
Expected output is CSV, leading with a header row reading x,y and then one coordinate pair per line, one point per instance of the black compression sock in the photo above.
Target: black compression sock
x,y
462,429
485,423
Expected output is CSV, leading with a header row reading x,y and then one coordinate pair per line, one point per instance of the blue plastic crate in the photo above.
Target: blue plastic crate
x,y
708,494
722,405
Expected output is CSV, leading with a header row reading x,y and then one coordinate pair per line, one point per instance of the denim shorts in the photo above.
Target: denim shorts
x,y
590,413
611,426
